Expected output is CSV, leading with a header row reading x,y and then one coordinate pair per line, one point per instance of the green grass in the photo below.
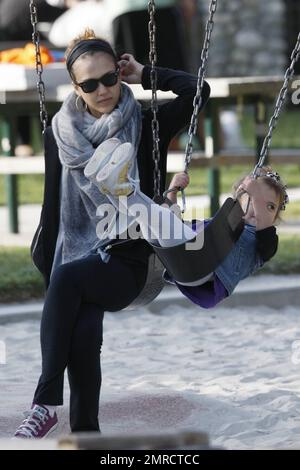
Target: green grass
x,y
287,259
292,212
20,281
285,135
30,188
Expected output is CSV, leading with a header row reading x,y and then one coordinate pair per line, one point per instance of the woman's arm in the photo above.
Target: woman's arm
x,y
176,114
182,84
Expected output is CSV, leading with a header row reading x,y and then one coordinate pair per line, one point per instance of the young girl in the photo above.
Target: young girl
x,y
262,199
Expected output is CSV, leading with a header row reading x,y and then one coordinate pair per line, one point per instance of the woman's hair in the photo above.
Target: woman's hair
x,y
86,44
273,180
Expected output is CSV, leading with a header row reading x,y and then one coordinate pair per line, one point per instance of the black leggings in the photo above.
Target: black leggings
x,y
71,331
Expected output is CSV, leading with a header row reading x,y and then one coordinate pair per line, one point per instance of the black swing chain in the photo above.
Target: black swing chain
x,y
200,83
278,107
154,105
38,65
197,99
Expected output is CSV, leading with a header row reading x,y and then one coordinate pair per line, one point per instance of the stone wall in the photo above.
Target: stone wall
x,y
248,37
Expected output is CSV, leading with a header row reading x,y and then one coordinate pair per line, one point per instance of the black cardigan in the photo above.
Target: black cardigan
x,y
173,116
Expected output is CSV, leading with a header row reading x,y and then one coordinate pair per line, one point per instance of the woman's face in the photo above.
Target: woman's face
x,y
105,98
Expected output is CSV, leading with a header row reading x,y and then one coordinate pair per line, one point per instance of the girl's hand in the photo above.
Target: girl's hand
x,y
130,69
262,209
251,186
180,180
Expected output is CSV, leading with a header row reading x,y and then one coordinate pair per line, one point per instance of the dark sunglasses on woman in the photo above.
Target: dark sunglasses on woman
x,y
108,80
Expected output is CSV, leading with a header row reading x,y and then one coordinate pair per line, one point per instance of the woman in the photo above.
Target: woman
x,y
100,115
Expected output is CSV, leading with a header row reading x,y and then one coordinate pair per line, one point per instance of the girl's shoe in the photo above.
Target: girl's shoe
x,y
113,177
38,423
100,157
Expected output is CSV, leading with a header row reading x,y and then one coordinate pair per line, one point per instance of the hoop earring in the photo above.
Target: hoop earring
x,y
84,106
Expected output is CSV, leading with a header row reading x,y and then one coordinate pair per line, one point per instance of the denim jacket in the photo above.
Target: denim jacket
x,y
242,261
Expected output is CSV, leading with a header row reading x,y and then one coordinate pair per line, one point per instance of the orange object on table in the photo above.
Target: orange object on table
x,y
25,55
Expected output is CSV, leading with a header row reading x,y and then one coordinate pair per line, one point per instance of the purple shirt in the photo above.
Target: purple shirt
x,y
206,295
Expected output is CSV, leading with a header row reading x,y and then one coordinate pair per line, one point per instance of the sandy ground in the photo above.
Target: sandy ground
x,y
233,373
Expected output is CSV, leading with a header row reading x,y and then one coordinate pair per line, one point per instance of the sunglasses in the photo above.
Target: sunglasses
x,y
108,80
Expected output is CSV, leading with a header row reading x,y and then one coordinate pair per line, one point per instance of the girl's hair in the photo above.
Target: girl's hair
x,y
96,45
273,180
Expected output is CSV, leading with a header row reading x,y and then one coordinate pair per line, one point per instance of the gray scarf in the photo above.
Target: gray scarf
x,y
78,134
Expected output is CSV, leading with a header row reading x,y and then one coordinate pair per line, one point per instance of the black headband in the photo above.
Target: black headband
x,y
87,45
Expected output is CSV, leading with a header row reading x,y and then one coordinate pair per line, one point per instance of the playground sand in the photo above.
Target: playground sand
x,y
233,373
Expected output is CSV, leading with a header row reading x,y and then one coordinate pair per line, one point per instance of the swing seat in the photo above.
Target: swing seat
x,y
220,235
153,286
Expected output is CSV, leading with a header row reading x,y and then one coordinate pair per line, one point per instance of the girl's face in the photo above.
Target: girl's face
x,y
105,98
264,202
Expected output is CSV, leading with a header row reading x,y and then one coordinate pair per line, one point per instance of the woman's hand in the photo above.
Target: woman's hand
x,y
130,69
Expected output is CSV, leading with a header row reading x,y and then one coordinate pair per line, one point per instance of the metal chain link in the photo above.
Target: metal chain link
x,y
197,99
154,105
278,107
38,65
200,83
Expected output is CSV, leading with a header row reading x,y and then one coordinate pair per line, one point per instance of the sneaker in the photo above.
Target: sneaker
x,y
100,157
38,423
113,178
